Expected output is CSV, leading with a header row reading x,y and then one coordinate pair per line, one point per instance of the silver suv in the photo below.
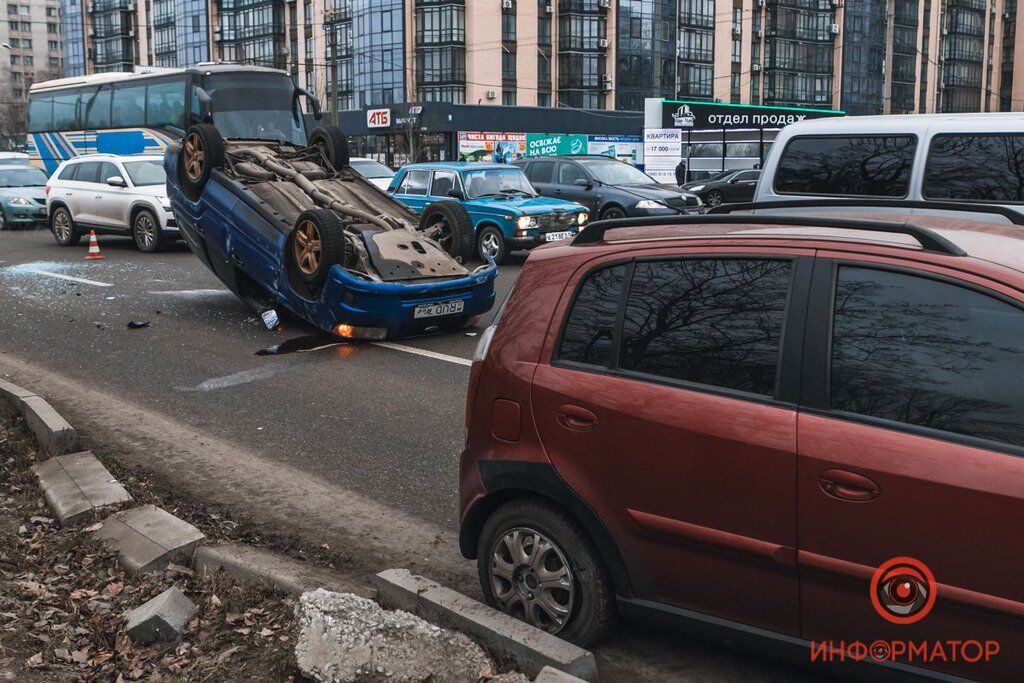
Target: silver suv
x,y
114,195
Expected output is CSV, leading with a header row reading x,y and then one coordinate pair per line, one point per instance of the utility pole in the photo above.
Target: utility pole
x,y
333,28
890,29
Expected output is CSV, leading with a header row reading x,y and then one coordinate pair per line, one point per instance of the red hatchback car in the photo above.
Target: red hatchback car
x,y
800,432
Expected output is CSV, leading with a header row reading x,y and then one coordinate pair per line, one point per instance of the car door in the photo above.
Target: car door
x,y
413,188
912,453
442,184
741,186
661,406
568,175
541,175
80,193
111,201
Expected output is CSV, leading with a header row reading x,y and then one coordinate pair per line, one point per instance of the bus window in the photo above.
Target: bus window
x,y
129,106
40,113
65,111
96,108
165,104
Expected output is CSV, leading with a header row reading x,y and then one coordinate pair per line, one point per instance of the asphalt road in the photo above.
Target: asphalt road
x,y
381,423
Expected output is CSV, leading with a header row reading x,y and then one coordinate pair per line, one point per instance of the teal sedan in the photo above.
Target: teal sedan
x,y
484,210
22,196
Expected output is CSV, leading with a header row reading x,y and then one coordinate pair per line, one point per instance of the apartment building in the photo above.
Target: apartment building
x,y
868,56
30,50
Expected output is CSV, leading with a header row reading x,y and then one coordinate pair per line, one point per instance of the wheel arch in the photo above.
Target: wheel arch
x,y
137,207
52,208
611,204
487,222
507,481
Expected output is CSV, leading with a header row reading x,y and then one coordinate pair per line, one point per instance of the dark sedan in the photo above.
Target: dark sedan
x,y
607,187
727,187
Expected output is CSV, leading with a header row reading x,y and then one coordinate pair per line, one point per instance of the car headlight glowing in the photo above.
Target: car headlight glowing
x,y
649,204
696,188
19,201
526,222
582,218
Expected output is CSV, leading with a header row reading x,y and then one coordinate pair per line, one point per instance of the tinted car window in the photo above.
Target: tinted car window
x,y
980,167
108,170
541,171
587,337
928,353
415,182
69,172
711,321
88,172
568,174
748,175
873,166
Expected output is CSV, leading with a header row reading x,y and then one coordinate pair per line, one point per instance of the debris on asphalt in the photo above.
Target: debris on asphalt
x,y
270,319
162,618
137,324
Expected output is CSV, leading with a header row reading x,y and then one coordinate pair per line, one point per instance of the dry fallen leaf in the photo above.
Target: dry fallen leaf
x,y
94,527
113,589
100,658
35,660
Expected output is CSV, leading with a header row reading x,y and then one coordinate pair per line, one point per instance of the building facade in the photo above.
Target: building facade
x,y
30,49
869,56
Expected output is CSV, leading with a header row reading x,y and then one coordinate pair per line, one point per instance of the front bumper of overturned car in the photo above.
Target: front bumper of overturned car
x,y
386,310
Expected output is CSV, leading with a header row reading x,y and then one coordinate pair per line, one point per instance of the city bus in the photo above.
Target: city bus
x,y
142,113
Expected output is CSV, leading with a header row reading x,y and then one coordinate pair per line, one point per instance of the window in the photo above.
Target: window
x,y
748,175
928,353
873,166
444,182
710,321
979,167
541,171
108,170
145,173
165,104
129,106
88,172
70,172
65,112
568,174
40,114
415,182
587,337
508,98
96,107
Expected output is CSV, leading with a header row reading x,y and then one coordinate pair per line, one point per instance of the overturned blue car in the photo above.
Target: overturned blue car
x,y
283,221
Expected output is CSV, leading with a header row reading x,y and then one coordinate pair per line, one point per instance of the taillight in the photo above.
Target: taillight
x,y
484,344
46,190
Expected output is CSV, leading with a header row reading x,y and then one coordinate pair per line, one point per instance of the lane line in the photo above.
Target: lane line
x,y
423,352
71,278
234,379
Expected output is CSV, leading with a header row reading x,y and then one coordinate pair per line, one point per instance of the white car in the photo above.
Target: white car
x,y
111,194
374,171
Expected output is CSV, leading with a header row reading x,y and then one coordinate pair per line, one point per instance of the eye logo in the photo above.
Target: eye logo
x,y
903,590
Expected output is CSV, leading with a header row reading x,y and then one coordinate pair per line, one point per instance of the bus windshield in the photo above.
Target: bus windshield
x,y
255,106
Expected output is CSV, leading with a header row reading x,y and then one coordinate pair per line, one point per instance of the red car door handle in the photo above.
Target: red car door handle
x,y
846,485
575,417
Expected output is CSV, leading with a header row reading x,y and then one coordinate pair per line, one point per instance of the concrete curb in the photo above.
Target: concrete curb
x,y
148,538
55,435
530,648
552,675
284,573
76,485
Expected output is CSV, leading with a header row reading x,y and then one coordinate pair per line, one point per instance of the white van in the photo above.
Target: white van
x,y
923,157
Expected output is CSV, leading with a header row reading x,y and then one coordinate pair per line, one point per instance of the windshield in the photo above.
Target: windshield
x,y
146,172
21,177
255,106
617,173
498,182
368,168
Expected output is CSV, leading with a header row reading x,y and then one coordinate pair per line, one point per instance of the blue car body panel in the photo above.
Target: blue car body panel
x,y
236,238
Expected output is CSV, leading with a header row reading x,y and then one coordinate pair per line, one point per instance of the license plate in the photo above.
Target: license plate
x,y
555,236
438,309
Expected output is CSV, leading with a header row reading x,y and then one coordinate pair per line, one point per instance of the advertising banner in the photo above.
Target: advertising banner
x,y
502,148
628,148
555,144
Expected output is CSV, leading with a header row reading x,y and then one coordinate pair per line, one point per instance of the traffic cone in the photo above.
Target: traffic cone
x,y
94,248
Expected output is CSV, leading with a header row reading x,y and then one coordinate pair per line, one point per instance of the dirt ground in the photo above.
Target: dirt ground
x,y
63,598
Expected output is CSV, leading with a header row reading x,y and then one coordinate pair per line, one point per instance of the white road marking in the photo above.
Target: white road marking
x,y
71,278
234,379
193,293
423,352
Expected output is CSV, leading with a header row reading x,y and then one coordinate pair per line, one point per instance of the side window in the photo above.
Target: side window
x,y
165,104
979,167
928,353
541,171
443,183
860,165
40,114
129,106
108,170
65,112
88,172
69,172
96,108
415,182
587,337
711,321
568,174
747,175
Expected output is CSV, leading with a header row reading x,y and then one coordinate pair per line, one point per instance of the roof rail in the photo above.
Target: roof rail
x,y
928,239
1015,217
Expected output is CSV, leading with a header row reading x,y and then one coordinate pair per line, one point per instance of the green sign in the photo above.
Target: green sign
x,y
554,144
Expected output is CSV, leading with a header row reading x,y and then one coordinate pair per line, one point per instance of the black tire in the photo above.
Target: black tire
x,y
714,198
146,232
63,227
492,241
612,213
449,224
592,614
202,150
3,220
333,143
318,242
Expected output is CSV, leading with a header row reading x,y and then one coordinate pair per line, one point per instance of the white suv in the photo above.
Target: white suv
x,y
114,195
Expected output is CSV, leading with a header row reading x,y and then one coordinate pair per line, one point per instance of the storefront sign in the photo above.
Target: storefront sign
x,y
628,148
555,144
491,147
378,118
671,114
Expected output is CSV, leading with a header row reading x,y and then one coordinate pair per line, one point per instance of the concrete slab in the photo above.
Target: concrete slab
x,y
283,572
162,618
76,485
54,434
530,648
148,538
551,675
15,394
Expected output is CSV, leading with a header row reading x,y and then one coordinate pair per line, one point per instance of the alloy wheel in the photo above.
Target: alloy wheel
x,y
531,579
307,247
62,225
194,157
489,245
145,230
714,199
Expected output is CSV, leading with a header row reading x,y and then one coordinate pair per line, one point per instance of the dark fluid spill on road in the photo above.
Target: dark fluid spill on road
x,y
312,342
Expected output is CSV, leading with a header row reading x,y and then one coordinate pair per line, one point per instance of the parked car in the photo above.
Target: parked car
x,y
494,201
609,188
930,157
292,225
117,195
22,196
726,187
724,423
374,171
